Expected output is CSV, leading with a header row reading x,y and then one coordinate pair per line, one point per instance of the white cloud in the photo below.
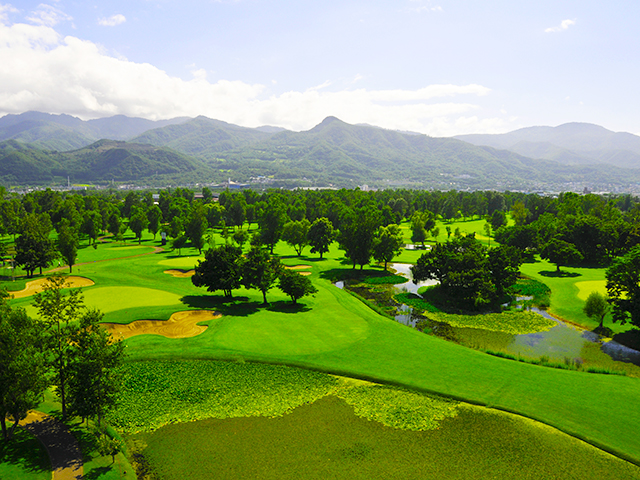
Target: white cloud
x,y
112,21
424,6
564,25
47,15
5,10
46,72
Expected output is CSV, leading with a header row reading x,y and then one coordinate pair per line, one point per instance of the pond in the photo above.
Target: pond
x,y
561,341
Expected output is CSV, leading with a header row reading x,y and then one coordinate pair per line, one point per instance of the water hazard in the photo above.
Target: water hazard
x,y
563,341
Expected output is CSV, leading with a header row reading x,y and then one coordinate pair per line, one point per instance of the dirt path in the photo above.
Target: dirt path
x,y
61,445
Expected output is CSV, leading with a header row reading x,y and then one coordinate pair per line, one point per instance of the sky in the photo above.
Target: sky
x,y
438,67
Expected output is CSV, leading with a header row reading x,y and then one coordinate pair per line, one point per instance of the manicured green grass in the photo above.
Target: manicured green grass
x,y
335,332
326,440
24,458
569,290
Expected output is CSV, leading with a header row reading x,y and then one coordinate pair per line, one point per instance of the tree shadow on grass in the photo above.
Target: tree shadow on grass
x,y
26,451
96,473
235,306
560,274
282,306
337,274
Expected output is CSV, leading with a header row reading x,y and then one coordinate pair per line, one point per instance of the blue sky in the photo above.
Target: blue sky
x,y
438,67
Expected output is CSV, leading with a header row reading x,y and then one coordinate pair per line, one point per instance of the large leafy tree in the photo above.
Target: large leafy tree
x,y
561,253
22,365
295,234
260,271
91,225
357,234
196,227
421,224
271,221
138,222
68,242
388,243
34,248
93,383
59,313
461,265
504,267
623,287
154,216
295,285
320,236
221,269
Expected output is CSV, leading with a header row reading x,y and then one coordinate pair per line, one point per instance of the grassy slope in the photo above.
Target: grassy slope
x,y
578,403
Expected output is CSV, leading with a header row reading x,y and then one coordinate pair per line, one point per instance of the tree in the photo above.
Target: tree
x,y
138,222
421,223
68,243
237,210
498,219
504,267
109,446
196,227
295,234
561,253
461,266
357,234
272,221
295,285
93,382
34,248
91,224
321,234
221,269
59,313
260,270
154,217
596,307
22,365
179,243
623,287
240,237
388,243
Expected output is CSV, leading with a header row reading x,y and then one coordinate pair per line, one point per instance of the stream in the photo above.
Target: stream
x,y
561,341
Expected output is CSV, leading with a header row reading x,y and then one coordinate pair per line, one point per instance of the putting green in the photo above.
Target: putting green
x,y
585,288
110,299
181,262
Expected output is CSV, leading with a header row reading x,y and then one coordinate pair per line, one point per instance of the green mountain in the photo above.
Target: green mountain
x,y
104,160
347,155
204,137
64,132
571,143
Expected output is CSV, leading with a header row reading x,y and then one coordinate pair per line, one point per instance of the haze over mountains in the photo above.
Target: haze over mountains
x,y
38,148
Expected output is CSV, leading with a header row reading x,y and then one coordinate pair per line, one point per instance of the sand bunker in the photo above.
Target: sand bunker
x,y
180,325
35,286
179,273
299,267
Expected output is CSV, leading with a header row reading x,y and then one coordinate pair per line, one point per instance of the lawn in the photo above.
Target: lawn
x,y
335,332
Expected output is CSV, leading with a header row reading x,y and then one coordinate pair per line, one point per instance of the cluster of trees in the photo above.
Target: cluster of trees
x,y
225,268
574,229
66,348
469,273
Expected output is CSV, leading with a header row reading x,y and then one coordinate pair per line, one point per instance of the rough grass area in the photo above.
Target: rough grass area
x,y
326,439
158,393
513,322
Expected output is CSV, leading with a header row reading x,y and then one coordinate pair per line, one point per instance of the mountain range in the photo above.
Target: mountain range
x,y
39,148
